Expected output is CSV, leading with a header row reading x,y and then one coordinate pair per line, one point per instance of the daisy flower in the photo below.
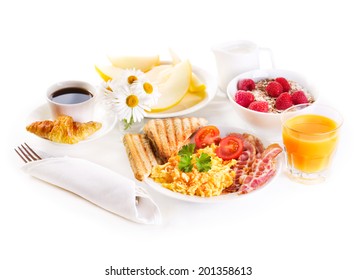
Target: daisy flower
x,y
149,90
130,105
130,76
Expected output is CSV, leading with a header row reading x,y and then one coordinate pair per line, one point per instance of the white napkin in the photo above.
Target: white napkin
x,y
99,185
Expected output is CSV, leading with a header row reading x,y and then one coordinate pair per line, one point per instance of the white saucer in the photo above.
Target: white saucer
x,y
107,120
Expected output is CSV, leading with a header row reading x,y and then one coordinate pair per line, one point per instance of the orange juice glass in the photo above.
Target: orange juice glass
x,y
310,134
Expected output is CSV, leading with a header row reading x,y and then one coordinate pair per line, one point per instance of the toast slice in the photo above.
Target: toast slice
x,y
140,154
168,136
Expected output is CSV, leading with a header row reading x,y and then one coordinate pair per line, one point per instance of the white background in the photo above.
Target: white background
x,y
286,231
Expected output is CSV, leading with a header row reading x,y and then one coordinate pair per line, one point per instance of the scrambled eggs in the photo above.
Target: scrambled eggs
x,y
205,184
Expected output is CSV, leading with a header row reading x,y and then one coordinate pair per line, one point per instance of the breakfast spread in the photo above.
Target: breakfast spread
x,y
63,129
184,154
271,95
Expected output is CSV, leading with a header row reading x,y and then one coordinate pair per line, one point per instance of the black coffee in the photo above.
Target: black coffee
x,y
71,95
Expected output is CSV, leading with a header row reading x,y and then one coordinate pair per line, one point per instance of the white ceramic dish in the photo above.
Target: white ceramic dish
x,y
107,120
224,197
185,106
265,124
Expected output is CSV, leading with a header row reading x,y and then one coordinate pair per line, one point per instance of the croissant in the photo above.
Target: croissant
x,y
63,129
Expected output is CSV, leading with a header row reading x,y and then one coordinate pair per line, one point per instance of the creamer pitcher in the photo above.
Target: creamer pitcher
x,y
236,57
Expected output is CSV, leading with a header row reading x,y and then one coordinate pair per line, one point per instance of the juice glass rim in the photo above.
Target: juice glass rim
x,y
287,114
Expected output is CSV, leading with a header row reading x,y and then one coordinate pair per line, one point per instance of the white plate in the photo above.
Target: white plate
x,y
107,120
184,107
224,197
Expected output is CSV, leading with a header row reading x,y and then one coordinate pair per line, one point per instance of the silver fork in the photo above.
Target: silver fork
x,y
26,153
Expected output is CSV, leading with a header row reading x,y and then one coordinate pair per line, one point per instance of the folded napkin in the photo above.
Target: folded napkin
x,y
99,185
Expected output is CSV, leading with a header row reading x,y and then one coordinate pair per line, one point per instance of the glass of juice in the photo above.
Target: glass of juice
x,y
310,135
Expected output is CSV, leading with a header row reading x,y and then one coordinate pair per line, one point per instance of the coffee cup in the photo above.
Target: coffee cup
x,y
72,98
236,57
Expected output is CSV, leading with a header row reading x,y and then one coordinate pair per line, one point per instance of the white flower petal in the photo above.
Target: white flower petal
x,y
137,114
124,114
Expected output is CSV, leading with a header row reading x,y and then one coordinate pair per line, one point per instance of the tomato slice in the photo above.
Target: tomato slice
x,y
206,136
230,147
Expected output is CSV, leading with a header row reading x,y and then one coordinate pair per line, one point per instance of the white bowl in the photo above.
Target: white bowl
x,y
265,124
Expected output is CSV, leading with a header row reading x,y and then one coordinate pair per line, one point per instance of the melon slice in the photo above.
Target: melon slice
x,y
175,87
108,72
160,74
196,85
143,63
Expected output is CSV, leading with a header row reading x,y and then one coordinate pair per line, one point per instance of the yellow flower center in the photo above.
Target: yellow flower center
x,y
148,88
131,79
132,101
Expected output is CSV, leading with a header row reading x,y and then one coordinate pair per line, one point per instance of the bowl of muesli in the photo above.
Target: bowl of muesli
x,y
260,96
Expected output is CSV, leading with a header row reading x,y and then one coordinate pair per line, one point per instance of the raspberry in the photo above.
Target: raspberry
x,y
284,83
246,84
284,101
298,97
274,89
244,98
260,106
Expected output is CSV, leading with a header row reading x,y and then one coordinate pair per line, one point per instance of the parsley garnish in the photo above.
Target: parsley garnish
x,y
185,163
204,162
187,150
186,154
